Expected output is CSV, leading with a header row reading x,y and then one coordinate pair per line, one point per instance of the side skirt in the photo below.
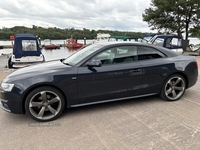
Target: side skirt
x,y
111,100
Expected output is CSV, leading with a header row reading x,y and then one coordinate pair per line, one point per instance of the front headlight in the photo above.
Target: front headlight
x,y
7,86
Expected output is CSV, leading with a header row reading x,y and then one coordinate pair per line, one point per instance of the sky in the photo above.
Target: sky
x,y
121,15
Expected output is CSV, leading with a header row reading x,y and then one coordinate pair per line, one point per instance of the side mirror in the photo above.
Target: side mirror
x,y
94,63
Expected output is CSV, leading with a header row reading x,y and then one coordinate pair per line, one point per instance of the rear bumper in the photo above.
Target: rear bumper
x,y
192,81
193,77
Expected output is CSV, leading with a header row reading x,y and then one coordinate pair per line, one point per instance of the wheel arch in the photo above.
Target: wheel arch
x,y
179,73
37,86
171,88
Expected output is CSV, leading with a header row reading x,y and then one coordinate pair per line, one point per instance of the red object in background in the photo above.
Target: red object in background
x,y
12,37
51,46
72,43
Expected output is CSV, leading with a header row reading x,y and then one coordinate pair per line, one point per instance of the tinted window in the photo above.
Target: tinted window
x,y
122,54
148,53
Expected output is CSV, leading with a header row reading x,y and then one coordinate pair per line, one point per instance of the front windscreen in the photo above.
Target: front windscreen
x,y
82,54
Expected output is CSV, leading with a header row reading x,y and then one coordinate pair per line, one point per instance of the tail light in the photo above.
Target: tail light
x,y
196,63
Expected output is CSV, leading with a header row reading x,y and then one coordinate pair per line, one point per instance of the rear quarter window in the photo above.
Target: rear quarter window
x,y
149,53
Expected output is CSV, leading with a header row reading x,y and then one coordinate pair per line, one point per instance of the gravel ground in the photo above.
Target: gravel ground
x,y
4,63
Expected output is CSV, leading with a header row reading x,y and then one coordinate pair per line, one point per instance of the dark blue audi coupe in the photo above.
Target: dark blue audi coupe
x,y
101,72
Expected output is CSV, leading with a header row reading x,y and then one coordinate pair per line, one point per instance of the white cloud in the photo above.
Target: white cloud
x,y
123,15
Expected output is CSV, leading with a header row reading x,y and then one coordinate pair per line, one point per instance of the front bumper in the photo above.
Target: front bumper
x,y
3,105
11,102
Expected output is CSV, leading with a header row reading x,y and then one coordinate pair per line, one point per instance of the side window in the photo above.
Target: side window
x,y
122,54
126,54
106,57
148,53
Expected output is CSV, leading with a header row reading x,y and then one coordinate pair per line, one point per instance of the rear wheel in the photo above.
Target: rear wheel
x,y
173,88
45,104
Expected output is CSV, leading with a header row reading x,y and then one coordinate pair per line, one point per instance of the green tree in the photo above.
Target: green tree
x,y
57,33
173,16
195,32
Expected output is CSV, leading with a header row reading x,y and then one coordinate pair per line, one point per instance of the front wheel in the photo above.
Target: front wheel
x,y
45,104
173,88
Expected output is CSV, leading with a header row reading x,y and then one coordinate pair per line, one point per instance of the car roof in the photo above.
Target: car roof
x,y
117,43
124,43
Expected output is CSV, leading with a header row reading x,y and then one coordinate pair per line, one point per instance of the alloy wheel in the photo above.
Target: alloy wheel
x,y
45,105
174,88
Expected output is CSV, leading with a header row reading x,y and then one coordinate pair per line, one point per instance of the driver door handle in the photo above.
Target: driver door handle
x,y
135,70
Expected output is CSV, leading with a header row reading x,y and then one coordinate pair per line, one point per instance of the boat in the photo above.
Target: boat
x,y
121,38
193,47
193,50
26,51
147,38
102,37
172,42
105,37
49,46
72,43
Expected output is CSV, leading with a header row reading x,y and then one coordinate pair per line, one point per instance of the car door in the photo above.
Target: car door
x,y
118,77
156,67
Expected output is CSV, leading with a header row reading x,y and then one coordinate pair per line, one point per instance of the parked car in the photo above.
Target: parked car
x,y
101,72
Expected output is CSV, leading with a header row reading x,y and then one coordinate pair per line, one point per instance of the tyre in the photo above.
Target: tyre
x,y
173,88
45,104
10,64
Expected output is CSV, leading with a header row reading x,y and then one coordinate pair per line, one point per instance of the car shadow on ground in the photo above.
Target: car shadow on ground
x,y
111,105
